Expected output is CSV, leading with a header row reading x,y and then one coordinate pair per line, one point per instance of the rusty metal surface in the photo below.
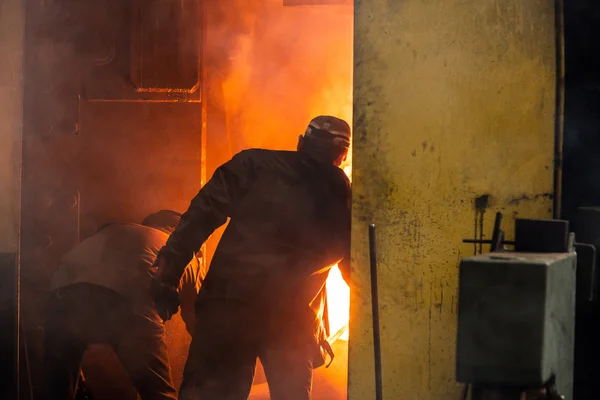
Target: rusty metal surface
x,y
86,161
165,38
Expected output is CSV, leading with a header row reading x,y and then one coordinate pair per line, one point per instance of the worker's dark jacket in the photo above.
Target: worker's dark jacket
x,y
289,223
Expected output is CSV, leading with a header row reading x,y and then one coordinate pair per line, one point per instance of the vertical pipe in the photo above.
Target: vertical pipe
x,y
559,106
375,308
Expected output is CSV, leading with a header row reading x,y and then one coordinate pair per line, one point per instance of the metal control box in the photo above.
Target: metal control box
x,y
516,319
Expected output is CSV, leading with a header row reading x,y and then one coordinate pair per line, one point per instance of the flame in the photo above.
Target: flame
x,y
338,303
338,292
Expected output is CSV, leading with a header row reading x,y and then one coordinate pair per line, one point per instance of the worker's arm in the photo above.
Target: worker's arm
x,y
189,285
208,210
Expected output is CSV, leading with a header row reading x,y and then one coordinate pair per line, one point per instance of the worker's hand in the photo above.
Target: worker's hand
x,y
163,272
166,298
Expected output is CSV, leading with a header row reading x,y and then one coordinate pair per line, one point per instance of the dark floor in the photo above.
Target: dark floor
x,y
328,383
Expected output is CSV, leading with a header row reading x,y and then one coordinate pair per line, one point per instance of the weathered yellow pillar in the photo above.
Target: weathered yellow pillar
x,y
454,101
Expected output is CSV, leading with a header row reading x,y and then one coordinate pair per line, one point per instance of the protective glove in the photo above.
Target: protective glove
x,y
166,299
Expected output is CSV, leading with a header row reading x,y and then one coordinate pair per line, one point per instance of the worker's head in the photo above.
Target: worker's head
x,y
326,138
165,220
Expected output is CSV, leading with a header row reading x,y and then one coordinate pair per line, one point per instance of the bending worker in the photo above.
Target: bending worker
x,y
263,294
101,295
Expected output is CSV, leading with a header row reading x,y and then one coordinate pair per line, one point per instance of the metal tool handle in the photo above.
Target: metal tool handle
x,y
497,234
497,241
375,310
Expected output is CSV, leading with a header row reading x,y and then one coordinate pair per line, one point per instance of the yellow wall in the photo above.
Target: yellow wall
x,y
454,99
11,51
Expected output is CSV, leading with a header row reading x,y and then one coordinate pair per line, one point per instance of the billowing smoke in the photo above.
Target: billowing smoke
x,y
271,68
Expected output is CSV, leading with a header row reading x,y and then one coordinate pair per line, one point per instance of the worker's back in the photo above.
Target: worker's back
x,y
101,295
292,221
117,257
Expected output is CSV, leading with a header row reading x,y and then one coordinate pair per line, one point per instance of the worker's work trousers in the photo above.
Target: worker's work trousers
x,y
84,314
224,350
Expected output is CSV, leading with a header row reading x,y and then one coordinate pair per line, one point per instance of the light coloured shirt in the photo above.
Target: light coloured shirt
x,y
120,257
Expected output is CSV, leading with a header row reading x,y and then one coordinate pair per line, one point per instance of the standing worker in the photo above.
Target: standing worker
x,y
263,296
100,294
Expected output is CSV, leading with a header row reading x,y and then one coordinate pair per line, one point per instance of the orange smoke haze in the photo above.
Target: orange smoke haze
x,y
270,69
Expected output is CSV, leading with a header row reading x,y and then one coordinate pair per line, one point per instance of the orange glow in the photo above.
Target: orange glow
x,y
285,66
338,292
336,99
338,301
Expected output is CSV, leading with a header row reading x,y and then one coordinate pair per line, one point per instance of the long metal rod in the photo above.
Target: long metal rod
x,y
375,309
486,241
559,106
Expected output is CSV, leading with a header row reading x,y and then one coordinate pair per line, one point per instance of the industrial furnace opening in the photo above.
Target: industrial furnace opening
x,y
270,66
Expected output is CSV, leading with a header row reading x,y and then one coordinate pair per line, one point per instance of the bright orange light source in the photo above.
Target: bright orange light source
x,y
338,303
273,89
338,292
